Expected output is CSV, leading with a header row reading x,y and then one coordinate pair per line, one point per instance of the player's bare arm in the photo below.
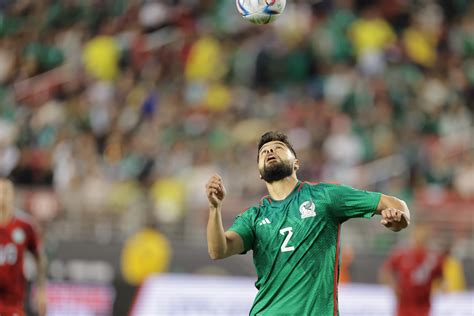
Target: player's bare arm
x,y
395,213
41,298
220,244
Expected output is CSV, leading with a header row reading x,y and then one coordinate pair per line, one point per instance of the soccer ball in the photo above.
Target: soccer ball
x,y
260,11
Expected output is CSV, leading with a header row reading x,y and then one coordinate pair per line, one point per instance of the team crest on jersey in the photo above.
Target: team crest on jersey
x,y
18,236
307,209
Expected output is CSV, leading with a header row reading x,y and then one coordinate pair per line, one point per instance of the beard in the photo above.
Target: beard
x,y
276,171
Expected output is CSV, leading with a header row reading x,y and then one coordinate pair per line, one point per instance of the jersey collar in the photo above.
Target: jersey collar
x,y
296,188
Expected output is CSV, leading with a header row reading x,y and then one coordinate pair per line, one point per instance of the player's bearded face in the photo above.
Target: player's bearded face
x,y
276,171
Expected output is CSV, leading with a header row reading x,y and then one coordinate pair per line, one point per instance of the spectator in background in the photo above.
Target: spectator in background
x,y
355,81
7,59
101,56
453,271
371,35
411,272
463,178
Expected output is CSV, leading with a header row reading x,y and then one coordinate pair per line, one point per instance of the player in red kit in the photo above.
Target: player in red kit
x,y
411,273
17,235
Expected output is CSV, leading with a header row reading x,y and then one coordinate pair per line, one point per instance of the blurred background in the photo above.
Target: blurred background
x,y
114,113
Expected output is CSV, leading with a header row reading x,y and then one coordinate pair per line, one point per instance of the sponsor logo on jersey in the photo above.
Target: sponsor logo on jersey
x,y
8,254
18,236
307,209
264,222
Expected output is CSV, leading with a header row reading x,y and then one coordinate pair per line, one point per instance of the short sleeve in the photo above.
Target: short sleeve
x,y
346,202
243,225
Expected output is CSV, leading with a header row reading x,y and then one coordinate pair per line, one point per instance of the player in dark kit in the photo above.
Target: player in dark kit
x,y
294,232
17,236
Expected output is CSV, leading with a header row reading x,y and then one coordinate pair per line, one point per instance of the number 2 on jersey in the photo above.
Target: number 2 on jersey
x,y
289,232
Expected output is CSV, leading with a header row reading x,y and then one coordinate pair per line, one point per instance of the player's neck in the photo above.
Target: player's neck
x,y
279,190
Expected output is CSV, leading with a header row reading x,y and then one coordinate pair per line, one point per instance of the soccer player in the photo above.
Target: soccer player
x,y
411,273
17,236
294,232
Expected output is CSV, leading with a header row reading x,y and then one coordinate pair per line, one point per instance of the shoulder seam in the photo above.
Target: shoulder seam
x,y
266,197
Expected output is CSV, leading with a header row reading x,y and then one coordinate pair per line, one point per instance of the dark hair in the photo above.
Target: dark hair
x,y
274,136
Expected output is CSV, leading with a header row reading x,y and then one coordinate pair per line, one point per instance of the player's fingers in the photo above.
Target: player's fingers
x,y
214,185
216,182
395,214
216,189
221,187
216,178
212,196
398,215
210,188
390,213
209,192
209,182
386,214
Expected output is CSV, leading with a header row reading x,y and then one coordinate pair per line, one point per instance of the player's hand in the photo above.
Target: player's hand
x,y
393,219
215,191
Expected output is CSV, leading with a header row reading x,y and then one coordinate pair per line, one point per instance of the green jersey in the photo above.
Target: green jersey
x,y
296,249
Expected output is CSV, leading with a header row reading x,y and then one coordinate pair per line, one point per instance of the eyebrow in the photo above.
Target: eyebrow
x,y
268,144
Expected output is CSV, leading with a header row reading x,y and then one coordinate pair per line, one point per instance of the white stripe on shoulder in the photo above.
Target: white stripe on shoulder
x,y
24,216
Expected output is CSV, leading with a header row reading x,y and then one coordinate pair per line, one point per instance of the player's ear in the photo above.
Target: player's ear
x,y
296,165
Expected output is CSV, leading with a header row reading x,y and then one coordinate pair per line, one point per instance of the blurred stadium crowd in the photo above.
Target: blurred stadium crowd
x,y
126,107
